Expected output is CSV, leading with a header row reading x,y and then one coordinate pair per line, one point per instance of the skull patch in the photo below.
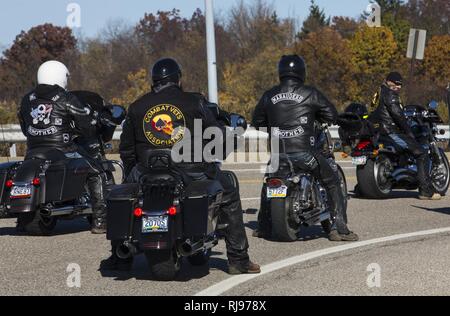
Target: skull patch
x,y
42,114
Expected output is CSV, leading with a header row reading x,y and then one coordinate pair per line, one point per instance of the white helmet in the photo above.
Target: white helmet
x,y
53,73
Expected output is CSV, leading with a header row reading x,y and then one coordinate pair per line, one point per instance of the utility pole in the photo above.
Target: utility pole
x,y
211,49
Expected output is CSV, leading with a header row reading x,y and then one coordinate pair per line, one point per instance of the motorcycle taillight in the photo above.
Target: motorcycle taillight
x,y
363,144
274,183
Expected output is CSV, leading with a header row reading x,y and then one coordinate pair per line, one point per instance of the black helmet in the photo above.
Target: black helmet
x,y
292,66
358,109
166,68
395,77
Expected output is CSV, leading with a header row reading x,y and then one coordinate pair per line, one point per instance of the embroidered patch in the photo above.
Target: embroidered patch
x,y
164,125
288,134
42,132
41,114
287,97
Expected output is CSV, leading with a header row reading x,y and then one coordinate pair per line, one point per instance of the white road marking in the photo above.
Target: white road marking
x,y
263,170
251,199
230,283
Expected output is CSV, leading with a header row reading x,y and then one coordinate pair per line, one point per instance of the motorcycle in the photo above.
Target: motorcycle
x,y
169,215
49,187
383,167
295,198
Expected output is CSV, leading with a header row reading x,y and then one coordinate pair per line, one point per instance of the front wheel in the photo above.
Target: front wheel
x,y
374,178
283,227
35,224
440,175
164,264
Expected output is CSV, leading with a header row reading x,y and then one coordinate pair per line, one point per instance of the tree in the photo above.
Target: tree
x,y
20,63
437,60
254,27
105,61
329,66
315,21
345,26
139,85
374,54
431,15
244,83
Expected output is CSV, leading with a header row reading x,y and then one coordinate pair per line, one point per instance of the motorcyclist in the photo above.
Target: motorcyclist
x,y
50,118
107,122
391,121
159,120
294,107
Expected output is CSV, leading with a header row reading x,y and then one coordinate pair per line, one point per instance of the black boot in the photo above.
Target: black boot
x,y
340,231
95,186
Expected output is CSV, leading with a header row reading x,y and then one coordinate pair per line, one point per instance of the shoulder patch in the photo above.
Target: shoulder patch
x,y
287,97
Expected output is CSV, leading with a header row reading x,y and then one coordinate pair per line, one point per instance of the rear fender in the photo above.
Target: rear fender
x,y
28,170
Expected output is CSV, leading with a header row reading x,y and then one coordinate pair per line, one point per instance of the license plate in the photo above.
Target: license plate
x,y
155,224
18,192
280,192
359,161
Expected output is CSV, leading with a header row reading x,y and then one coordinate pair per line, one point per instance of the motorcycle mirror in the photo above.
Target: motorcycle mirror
x,y
337,146
433,105
118,111
238,121
108,146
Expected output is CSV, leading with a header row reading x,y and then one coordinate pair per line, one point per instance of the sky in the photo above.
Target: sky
x,y
18,15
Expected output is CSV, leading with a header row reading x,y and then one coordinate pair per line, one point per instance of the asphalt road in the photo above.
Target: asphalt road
x,y
401,265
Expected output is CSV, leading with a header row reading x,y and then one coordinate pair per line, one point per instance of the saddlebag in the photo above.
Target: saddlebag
x,y
121,202
66,180
200,208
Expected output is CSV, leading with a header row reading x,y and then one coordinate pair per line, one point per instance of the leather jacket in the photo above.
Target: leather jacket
x,y
51,117
160,120
389,116
290,110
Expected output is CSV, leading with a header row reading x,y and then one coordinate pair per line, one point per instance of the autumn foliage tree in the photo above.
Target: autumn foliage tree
x,y
374,54
19,64
330,67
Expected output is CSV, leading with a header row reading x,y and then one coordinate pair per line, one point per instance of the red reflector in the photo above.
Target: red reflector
x,y
275,183
363,144
9,184
138,212
36,182
172,211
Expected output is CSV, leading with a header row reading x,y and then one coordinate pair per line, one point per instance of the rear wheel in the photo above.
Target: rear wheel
x,y
373,178
35,224
283,226
200,259
164,264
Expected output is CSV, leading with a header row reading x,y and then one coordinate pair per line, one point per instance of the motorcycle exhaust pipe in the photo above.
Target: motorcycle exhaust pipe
x,y
68,210
188,248
126,251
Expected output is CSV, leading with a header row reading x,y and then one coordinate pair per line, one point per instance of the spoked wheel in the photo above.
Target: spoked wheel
x,y
374,178
440,175
164,264
35,224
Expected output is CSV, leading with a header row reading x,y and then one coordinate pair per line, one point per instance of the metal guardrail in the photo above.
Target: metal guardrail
x,y
12,134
